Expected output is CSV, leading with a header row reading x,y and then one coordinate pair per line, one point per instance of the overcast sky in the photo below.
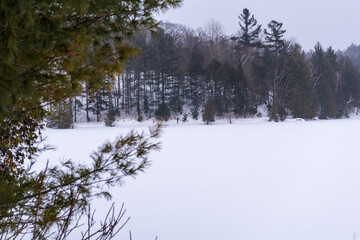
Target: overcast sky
x,y
331,22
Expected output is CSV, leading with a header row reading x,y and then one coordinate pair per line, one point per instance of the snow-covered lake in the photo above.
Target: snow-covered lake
x,y
251,180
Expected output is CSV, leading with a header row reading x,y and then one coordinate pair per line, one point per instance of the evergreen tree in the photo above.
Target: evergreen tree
x,y
146,105
196,72
216,83
77,107
48,51
239,88
195,111
273,72
320,77
333,79
100,103
274,36
163,112
250,30
277,55
353,53
110,116
301,96
348,88
49,204
208,115
165,61
61,116
259,87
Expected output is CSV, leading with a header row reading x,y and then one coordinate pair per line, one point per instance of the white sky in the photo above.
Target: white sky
x,y
331,22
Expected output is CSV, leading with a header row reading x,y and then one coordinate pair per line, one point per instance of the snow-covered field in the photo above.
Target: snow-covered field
x,y
251,180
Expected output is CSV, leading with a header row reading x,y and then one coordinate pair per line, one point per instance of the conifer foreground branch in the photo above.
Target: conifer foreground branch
x,y
52,203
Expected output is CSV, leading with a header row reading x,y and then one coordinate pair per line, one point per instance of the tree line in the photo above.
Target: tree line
x,y
180,71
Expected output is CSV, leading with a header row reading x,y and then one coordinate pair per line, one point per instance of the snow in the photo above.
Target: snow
x,y
248,180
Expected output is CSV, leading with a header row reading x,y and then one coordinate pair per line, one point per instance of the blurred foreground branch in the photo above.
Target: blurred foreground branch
x,y
51,204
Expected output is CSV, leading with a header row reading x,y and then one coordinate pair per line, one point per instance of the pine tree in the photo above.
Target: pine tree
x,y
100,103
250,30
110,116
196,71
301,95
239,88
163,112
208,115
321,77
274,36
77,107
164,62
353,53
50,203
48,51
277,54
217,77
61,115
348,88
195,108
146,105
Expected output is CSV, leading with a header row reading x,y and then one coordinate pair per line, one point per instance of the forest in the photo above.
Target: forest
x,y
180,72
91,60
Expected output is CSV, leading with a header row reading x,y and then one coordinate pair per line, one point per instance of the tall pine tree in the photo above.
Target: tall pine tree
x,y
249,30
